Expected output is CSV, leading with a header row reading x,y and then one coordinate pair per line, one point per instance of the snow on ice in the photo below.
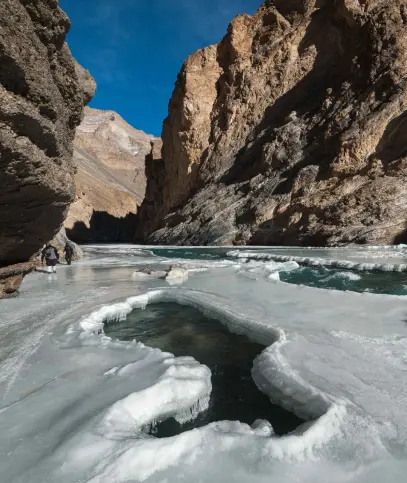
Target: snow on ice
x,y
75,405
311,261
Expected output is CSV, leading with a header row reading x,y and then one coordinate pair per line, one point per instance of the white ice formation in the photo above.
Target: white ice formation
x,y
74,404
318,262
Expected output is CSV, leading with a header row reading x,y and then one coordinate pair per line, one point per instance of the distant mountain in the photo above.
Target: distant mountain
x,y
110,179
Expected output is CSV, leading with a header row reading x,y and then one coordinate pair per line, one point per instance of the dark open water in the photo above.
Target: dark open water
x,y
185,331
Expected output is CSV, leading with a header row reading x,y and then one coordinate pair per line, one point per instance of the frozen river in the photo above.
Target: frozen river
x,y
74,404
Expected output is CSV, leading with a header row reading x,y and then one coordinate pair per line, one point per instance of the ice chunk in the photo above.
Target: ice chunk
x,y
275,277
147,274
181,392
347,275
177,275
319,262
282,266
263,428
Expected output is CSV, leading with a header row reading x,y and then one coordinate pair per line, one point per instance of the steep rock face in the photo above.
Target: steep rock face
x,y
153,203
289,131
42,95
110,179
59,242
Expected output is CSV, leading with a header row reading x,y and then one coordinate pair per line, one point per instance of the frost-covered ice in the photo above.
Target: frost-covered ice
x,y
359,261
177,275
74,404
271,270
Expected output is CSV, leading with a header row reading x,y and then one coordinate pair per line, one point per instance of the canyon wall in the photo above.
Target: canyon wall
x,y
110,180
42,95
291,130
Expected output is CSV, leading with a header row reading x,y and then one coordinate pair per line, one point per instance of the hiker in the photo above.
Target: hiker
x,y
51,256
68,253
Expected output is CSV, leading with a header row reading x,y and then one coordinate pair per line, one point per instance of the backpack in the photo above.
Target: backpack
x,y
50,254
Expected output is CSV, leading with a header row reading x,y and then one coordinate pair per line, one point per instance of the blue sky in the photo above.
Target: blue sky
x,y
135,48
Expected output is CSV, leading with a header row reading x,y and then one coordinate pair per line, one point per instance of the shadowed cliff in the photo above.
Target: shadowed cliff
x,y
43,92
289,131
104,228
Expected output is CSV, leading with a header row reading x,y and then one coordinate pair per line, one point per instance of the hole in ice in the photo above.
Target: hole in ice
x,y
184,330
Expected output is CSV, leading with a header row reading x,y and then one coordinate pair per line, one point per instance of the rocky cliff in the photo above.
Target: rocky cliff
x,y
110,179
292,130
59,242
42,95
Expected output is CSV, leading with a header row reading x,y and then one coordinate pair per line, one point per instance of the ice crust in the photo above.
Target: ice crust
x,y
74,403
270,271
318,262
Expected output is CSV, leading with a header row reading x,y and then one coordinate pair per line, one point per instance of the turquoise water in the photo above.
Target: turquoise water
x,y
187,253
185,331
376,282
391,283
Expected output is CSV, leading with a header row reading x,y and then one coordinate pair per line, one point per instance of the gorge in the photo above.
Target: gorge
x,y
43,91
110,181
150,360
290,131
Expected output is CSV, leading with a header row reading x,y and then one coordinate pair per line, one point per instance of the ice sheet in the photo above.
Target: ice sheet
x,y
71,404
384,261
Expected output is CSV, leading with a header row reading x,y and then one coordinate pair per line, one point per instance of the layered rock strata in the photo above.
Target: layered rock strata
x,y
290,131
42,95
110,179
12,276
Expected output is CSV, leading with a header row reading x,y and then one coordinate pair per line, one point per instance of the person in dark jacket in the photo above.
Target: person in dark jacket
x,y
51,256
68,253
